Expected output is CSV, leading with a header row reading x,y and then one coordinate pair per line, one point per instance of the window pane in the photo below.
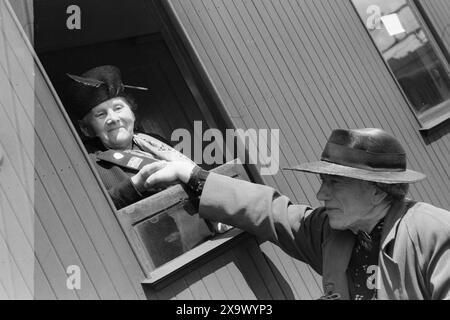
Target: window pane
x,y
414,60
171,233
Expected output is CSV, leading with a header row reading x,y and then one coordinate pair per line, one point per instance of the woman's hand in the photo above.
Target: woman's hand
x,y
139,178
162,174
173,171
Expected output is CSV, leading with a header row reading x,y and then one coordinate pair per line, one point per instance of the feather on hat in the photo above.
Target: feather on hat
x,y
93,87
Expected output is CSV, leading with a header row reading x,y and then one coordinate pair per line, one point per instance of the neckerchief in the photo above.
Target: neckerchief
x,y
363,266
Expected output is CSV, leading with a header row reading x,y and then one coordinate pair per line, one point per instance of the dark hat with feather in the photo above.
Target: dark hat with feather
x,y
93,87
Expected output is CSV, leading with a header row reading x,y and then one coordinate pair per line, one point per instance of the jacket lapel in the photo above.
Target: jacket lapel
x,y
389,278
393,217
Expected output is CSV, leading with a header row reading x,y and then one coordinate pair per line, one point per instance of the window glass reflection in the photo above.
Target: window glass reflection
x,y
403,42
170,234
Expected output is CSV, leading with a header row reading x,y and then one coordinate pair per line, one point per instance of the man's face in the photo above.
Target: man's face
x,y
348,201
113,122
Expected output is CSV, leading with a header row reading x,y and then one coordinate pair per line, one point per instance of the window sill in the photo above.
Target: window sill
x,y
435,116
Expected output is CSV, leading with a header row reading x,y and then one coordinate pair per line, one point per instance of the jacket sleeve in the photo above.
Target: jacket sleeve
x,y
124,194
262,211
429,231
438,270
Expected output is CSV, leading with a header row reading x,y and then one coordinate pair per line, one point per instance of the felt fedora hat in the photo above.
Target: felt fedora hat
x,y
93,87
365,154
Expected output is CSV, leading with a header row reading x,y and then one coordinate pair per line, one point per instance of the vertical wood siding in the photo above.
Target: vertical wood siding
x,y
74,224
23,9
438,11
305,67
16,184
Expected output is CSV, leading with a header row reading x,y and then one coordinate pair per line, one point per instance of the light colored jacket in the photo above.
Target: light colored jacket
x,y
414,258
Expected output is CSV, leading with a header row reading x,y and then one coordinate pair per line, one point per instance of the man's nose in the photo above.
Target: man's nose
x,y
323,193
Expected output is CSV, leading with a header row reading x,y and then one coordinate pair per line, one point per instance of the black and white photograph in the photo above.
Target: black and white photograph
x,y
225,155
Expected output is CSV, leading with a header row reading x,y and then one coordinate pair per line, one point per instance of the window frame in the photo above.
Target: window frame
x,y
436,117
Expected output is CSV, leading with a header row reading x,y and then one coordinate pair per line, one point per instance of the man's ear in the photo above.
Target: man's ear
x,y
378,195
85,129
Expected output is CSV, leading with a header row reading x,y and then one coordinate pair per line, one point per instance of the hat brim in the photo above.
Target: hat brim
x,y
323,167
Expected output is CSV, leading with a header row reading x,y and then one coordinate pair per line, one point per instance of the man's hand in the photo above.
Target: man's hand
x,y
163,173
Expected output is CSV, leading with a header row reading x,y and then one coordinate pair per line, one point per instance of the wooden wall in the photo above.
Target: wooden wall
x,y
25,13
305,67
45,169
16,177
16,232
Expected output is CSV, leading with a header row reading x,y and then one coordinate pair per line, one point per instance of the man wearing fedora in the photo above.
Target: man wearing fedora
x,y
367,240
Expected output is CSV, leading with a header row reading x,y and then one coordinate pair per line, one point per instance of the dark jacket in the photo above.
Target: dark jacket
x,y
116,179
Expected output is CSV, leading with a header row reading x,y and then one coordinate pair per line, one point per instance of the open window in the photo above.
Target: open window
x,y
167,232
415,59
74,36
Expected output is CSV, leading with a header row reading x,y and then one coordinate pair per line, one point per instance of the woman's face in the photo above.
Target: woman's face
x,y
113,122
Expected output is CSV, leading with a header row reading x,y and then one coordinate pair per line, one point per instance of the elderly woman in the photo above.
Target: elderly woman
x,y
104,112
